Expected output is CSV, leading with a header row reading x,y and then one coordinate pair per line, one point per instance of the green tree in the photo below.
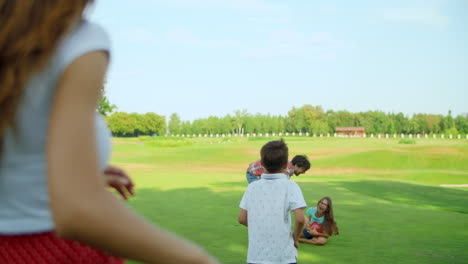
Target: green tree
x,y
461,123
251,125
139,126
447,124
154,124
296,120
239,120
227,125
401,123
104,106
186,128
340,119
414,126
363,119
174,124
380,122
319,127
313,115
433,123
121,124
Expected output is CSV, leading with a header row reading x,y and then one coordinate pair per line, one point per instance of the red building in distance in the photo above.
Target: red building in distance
x,y
350,131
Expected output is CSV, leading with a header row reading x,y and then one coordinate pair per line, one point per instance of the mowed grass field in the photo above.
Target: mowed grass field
x,y
387,197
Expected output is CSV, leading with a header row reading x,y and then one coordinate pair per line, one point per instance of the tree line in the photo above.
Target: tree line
x,y
306,119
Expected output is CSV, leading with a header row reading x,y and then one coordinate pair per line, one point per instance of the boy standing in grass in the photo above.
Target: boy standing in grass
x,y
265,210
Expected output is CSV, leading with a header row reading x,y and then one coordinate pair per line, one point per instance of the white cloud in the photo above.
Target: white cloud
x,y
274,51
327,56
182,36
420,12
228,4
329,9
320,46
269,20
321,38
285,36
138,36
187,37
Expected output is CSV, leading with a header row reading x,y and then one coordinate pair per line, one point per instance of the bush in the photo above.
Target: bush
x,y
407,141
165,141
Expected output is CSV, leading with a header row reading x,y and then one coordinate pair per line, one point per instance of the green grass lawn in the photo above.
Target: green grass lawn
x,y
387,199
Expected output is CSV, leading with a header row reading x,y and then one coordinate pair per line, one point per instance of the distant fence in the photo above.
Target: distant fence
x,y
286,134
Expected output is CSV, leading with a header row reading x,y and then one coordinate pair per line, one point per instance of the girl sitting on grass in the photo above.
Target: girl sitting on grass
x,y
323,214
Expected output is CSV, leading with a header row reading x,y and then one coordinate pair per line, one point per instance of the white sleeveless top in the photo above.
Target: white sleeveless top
x,y
24,199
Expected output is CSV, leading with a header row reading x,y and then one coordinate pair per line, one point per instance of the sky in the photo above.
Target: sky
x,y
201,58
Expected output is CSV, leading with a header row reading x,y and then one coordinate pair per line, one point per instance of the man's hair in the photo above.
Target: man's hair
x,y
274,155
301,161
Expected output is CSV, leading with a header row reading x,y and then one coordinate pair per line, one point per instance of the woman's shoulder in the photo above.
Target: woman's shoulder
x,y
88,35
87,29
83,38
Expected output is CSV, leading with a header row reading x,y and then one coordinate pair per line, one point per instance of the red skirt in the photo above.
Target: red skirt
x,y
47,248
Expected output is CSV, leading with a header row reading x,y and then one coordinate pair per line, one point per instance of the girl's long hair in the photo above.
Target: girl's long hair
x,y
329,224
29,33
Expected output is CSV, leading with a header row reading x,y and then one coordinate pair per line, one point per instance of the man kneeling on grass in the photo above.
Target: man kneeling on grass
x,y
297,166
265,210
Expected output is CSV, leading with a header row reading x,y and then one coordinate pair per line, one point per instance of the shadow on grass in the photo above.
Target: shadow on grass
x,y
201,215
412,194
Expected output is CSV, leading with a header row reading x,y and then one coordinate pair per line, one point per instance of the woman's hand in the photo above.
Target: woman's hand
x,y
119,180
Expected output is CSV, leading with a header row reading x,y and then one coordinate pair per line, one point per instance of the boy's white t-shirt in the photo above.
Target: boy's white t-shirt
x,y
268,203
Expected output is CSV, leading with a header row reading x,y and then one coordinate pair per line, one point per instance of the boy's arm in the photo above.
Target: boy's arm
x,y
242,217
298,225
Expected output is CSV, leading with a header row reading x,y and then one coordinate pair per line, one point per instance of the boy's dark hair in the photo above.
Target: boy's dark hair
x,y
274,155
301,161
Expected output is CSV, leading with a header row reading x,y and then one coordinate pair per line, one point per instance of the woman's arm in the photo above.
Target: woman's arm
x,y
82,208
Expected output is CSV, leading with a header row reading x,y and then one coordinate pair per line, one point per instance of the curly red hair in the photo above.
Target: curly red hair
x,y
29,33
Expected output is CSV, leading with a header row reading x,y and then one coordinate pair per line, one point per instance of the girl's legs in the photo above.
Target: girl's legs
x,y
319,241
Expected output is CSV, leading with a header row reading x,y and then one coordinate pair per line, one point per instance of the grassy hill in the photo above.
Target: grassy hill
x,y
386,195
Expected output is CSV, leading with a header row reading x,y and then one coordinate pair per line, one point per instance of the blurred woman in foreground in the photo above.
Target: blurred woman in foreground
x,y
54,149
